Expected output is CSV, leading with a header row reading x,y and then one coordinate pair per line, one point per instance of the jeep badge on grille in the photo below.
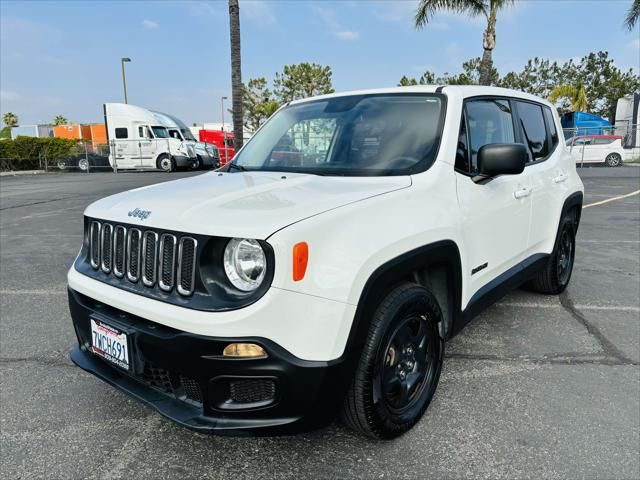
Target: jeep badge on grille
x,y
141,214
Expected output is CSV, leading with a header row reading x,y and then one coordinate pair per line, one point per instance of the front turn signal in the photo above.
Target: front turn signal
x,y
300,260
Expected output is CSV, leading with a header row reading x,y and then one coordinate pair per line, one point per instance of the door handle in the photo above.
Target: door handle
x,y
523,192
561,178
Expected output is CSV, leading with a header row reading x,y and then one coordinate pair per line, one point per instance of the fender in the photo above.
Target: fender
x,y
444,252
573,200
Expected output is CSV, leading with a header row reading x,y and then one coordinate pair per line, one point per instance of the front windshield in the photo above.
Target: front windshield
x,y
186,133
395,134
160,132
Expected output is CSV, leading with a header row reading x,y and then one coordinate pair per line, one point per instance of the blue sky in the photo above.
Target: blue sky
x,y
64,57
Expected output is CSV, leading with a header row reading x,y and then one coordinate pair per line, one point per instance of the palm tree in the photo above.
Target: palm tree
x,y
60,120
575,93
487,8
632,15
10,119
236,72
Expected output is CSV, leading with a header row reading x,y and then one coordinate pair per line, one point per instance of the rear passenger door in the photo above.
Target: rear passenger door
x,y
496,214
547,170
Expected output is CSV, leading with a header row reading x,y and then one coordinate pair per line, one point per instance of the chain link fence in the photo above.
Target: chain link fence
x,y
53,154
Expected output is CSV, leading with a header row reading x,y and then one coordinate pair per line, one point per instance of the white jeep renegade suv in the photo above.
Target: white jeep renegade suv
x,y
323,270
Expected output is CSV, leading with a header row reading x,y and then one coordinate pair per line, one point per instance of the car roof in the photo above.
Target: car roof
x,y
459,91
599,136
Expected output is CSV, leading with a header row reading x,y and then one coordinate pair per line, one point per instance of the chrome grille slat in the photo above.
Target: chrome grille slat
x,y
149,257
187,265
157,259
94,244
106,247
119,251
134,239
166,261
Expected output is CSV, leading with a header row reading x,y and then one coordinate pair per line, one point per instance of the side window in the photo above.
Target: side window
x,y
143,132
122,133
489,121
551,127
462,149
533,128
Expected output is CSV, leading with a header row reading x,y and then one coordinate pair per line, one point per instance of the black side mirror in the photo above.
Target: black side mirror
x,y
500,159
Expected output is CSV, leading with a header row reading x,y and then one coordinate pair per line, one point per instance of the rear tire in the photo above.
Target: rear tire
x,y
400,365
613,160
166,163
555,276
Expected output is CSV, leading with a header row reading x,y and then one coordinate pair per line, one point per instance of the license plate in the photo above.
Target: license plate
x,y
110,343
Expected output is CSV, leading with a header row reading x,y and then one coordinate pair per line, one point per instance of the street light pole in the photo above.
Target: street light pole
x,y
124,80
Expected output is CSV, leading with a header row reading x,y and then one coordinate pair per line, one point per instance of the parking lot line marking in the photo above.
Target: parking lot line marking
x,y
33,292
611,308
612,199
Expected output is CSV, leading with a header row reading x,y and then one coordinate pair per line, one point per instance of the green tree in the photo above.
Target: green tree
x,y
538,77
301,81
487,8
60,120
469,76
632,15
406,81
574,93
258,102
236,72
10,119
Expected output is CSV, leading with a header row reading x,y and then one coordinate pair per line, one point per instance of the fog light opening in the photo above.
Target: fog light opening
x,y
244,350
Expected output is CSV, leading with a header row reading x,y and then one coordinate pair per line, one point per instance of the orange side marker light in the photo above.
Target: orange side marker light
x,y
300,260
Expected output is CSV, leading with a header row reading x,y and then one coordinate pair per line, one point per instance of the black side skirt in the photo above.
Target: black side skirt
x,y
499,287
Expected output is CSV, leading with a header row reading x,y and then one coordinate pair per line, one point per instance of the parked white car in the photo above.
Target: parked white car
x,y
605,149
311,278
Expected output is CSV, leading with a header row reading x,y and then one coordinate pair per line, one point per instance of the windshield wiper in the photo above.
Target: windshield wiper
x,y
231,165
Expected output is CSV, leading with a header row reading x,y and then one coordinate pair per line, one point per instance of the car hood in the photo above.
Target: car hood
x,y
246,204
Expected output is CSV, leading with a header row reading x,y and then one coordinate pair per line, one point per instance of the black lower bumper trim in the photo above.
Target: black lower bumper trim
x,y
185,377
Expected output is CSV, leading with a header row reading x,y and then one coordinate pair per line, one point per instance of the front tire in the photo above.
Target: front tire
x,y
555,276
166,163
613,160
398,372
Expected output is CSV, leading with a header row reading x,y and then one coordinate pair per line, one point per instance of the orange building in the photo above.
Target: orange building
x,y
95,133
99,133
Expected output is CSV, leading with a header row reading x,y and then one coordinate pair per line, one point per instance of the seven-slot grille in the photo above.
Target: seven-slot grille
x,y
163,260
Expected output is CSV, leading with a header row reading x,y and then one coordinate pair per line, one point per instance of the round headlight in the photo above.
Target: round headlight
x,y
244,263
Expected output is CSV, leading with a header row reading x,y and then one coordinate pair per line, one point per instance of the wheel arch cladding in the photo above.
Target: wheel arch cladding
x,y
573,203
415,266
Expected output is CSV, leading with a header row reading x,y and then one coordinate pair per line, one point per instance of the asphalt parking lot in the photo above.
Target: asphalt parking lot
x,y
536,387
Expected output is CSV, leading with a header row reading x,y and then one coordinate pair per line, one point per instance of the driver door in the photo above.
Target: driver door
x,y
496,215
147,146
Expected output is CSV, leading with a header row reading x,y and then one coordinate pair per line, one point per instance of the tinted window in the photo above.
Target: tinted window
x,y
462,149
533,130
551,126
122,133
489,121
603,141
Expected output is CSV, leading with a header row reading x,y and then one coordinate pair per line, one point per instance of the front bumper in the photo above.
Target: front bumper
x,y
185,377
184,161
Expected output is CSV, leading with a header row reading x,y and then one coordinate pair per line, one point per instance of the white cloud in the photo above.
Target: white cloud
x,y
330,19
200,8
10,96
259,11
150,24
348,35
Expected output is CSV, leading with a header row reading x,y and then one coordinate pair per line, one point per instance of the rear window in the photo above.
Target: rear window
x,y
551,126
533,130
